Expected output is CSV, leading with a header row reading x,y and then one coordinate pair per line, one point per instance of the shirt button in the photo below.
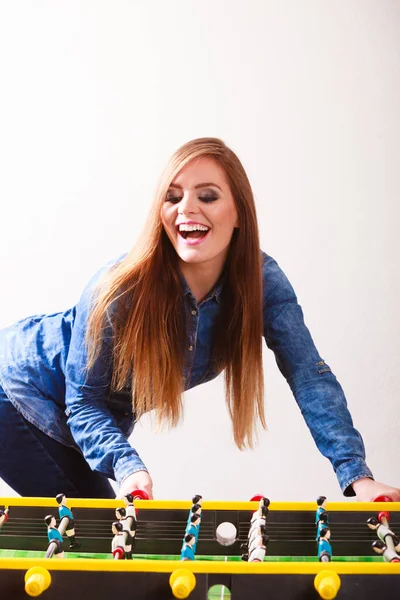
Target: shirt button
x,y
194,312
190,348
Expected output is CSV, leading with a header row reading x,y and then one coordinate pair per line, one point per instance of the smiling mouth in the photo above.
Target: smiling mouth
x,y
193,234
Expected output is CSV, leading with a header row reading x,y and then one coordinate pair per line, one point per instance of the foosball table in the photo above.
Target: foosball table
x,y
299,561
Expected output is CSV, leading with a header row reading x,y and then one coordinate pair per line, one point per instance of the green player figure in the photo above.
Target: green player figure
x,y
66,514
196,509
324,546
54,536
323,522
321,502
187,552
193,527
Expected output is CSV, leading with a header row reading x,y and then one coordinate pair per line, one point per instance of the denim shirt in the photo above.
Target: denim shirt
x,y
42,360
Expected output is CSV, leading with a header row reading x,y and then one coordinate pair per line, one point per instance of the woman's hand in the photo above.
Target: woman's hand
x,y
140,480
367,490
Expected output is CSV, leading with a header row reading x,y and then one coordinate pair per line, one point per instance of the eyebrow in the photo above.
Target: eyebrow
x,y
196,187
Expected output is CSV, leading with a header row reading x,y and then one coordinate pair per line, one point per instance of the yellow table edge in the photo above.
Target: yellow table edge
x,y
168,566
207,504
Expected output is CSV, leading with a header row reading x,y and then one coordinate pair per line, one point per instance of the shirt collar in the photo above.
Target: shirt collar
x,y
215,292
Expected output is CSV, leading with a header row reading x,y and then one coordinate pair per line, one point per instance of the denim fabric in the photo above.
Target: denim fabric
x,y
42,360
34,464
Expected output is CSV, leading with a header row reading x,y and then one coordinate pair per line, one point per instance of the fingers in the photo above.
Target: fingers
x,y
368,490
140,480
149,492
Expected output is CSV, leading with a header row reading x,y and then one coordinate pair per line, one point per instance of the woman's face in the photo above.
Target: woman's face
x,y
199,213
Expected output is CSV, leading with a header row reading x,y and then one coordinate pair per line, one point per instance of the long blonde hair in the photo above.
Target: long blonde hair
x,y
143,298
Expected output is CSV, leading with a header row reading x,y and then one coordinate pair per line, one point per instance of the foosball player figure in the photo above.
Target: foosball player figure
x,y
194,510
131,516
129,506
388,555
197,499
65,514
120,513
321,502
259,518
193,527
187,552
254,540
262,511
256,532
384,533
118,541
3,516
324,546
54,536
323,522
259,548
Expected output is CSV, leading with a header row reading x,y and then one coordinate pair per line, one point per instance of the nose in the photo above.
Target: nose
x,y
188,204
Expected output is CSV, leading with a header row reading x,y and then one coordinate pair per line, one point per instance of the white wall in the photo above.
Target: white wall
x,y
96,95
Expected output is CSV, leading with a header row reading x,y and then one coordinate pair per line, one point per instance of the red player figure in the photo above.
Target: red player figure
x,y
259,549
256,542
3,516
261,512
120,513
258,520
130,507
255,532
118,541
384,533
388,555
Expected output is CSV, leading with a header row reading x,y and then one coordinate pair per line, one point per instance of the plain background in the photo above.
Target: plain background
x,y
95,97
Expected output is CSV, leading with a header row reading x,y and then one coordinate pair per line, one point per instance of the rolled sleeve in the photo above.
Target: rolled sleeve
x,y
93,427
317,392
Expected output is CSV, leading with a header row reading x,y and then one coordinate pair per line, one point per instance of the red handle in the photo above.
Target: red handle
x,y
383,499
140,495
384,514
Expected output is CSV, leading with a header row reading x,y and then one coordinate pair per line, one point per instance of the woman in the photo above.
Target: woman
x,y
193,297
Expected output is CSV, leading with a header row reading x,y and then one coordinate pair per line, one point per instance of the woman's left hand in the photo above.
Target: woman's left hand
x,y
367,490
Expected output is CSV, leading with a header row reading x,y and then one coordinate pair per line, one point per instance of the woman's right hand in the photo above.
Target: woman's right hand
x,y
140,480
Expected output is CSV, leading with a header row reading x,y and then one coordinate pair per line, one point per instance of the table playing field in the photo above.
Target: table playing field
x,y
288,571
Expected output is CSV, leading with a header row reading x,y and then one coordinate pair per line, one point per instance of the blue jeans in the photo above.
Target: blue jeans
x,y
33,464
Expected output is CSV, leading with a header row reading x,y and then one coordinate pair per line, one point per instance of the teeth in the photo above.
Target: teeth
x,y
196,227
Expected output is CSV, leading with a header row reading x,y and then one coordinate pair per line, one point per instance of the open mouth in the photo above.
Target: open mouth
x,y
193,235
